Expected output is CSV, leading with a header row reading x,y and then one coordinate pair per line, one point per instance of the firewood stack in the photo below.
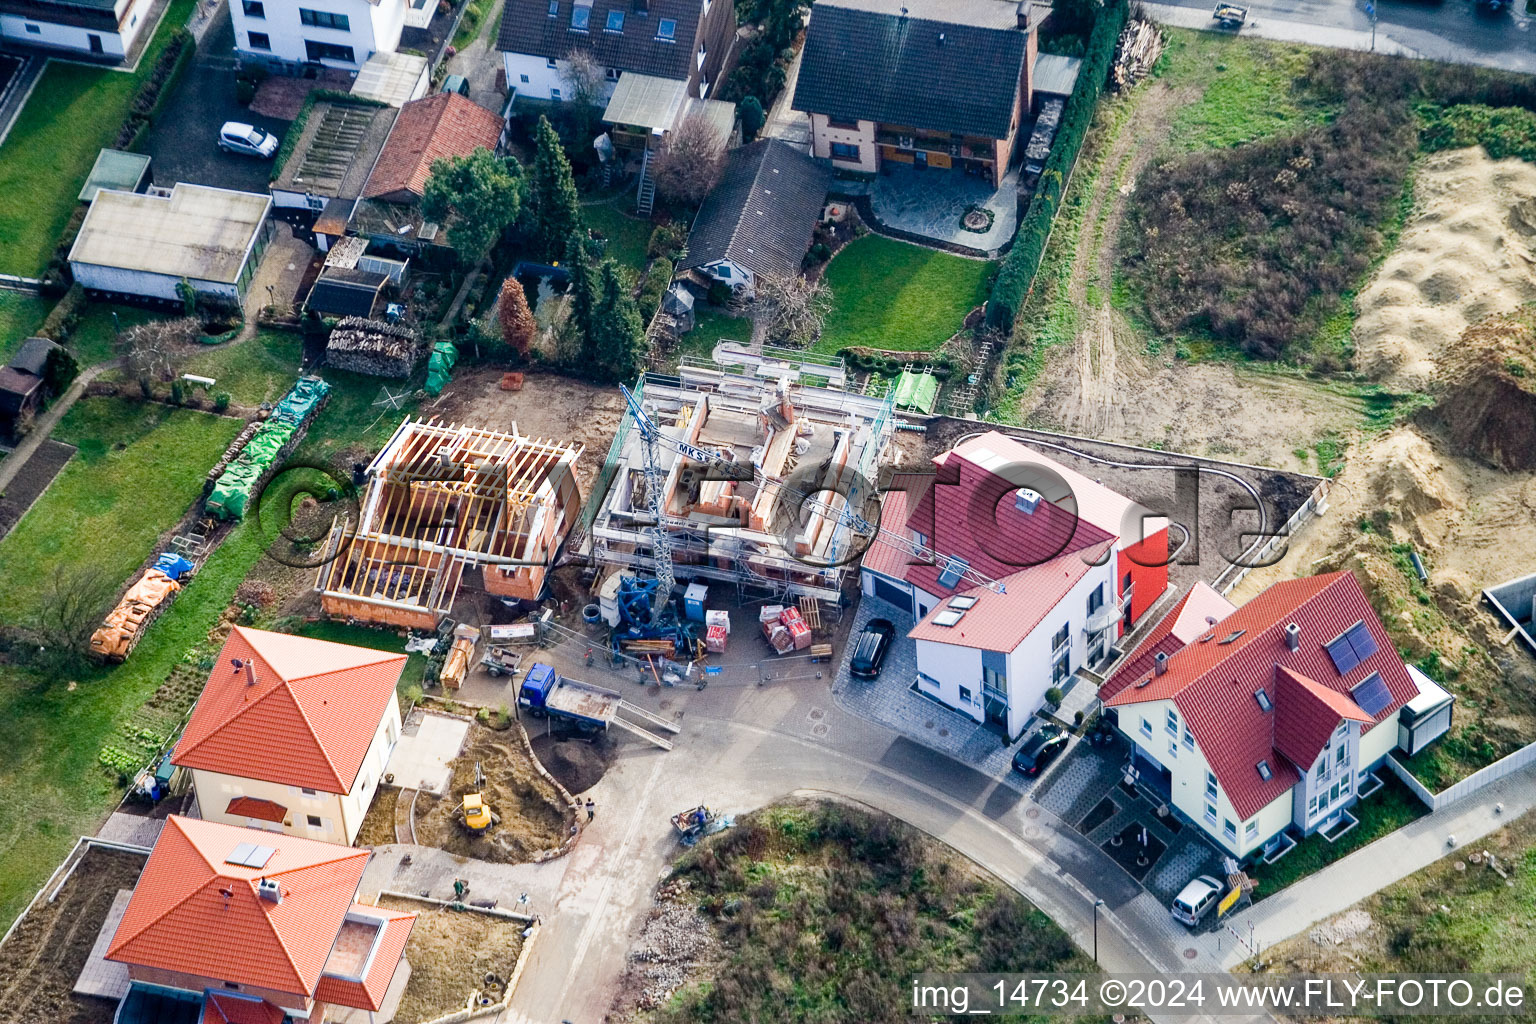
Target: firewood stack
x,y
1139,47
373,347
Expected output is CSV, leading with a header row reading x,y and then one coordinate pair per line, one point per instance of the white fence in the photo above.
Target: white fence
x,y
1502,768
1260,553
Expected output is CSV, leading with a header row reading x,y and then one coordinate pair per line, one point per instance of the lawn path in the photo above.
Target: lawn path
x,y
42,427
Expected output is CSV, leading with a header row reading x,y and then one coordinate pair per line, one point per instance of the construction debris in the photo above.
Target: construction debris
x,y
373,347
441,500
676,940
1139,47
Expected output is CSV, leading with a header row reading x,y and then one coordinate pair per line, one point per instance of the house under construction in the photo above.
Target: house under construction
x,y
442,500
786,453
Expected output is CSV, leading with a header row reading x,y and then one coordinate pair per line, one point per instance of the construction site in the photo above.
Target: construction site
x,y
441,500
756,473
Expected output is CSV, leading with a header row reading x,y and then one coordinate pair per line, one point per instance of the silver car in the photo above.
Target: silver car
x,y
235,137
1195,900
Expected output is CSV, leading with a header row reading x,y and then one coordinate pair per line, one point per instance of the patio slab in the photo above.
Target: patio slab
x,y
931,204
100,976
428,742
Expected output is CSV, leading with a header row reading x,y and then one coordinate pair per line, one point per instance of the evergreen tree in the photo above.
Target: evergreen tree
x,y
752,118
618,334
556,204
581,261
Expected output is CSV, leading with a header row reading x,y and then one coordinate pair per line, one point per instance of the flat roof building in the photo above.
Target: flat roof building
x,y
142,246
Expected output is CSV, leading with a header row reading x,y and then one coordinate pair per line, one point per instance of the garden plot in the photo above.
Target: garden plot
x,y
457,958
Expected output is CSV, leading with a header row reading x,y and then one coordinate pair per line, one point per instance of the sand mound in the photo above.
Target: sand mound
x,y
1486,402
1403,474
1466,253
1348,925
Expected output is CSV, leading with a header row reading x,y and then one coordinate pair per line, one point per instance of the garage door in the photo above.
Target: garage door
x,y
885,590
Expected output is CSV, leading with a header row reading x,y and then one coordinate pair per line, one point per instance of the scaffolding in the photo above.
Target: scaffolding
x,y
776,509
441,500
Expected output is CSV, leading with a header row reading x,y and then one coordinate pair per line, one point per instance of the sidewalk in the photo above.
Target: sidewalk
x,y
784,122
1267,27
1389,859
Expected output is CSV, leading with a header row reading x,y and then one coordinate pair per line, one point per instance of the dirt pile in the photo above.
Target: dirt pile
x,y
1487,393
1466,253
576,763
1404,474
533,816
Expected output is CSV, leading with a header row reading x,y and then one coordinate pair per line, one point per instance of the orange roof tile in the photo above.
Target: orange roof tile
x,y
368,992
432,128
317,702
194,913
223,1008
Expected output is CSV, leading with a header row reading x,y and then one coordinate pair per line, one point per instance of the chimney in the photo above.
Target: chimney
x,y
269,890
1023,13
1159,663
250,671
1026,500
1293,637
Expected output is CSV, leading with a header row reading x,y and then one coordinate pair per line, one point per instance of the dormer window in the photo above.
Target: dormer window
x,y
581,18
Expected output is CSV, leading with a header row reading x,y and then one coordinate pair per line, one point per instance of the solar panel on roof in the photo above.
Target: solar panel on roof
x,y
1371,694
249,855
1351,647
947,617
952,570
239,853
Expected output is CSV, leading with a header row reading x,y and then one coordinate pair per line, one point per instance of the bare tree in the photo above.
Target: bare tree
x,y
795,309
69,612
586,78
150,349
689,162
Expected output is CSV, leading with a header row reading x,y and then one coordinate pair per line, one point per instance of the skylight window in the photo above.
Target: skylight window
x,y
666,29
1233,635
1264,772
1262,696
953,569
1371,694
581,17
554,8
948,617
1352,647
962,602
615,21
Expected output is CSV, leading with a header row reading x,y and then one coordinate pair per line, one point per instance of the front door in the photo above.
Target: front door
x,y
95,41
921,159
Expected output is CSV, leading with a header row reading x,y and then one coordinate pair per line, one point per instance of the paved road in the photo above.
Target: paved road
x,y
1452,30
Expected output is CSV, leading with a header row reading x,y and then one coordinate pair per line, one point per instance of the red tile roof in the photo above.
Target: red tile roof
x,y
1184,623
882,556
1213,683
432,128
1000,622
221,1008
1306,714
368,992
194,913
255,807
316,702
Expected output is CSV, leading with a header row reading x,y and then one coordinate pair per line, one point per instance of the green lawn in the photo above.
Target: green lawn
x,y
74,111
373,639
710,325
94,339
261,369
20,316
1386,810
110,504
891,295
627,236
1247,88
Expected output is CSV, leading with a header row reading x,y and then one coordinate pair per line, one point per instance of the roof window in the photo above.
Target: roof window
x,y
1264,771
948,617
666,29
963,602
581,17
1233,635
953,569
615,22
1262,696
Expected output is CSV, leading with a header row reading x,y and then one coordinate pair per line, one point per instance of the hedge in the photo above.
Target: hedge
x,y
157,88
1018,270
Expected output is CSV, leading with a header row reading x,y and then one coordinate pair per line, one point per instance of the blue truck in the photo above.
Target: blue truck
x,y
545,693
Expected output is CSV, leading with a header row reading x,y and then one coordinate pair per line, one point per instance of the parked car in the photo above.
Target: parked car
x,y
1195,900
1040,750
235,137
869,650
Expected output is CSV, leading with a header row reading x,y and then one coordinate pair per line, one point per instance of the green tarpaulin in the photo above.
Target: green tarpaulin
x,y
440,366
918,391
232,492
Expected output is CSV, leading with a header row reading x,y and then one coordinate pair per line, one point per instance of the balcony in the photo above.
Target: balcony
x,y
936,144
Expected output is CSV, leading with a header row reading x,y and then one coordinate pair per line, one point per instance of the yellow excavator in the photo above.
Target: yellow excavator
x,y
477,816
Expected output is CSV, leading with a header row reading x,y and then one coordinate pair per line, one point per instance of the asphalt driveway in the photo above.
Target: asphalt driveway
x,y
183,144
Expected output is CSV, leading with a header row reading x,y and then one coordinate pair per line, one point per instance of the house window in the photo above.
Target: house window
x,y
1173,722
1210,813
554,94
1343,755
233,986
328,51
1125,584
309,792
581,17
846,151
314,821
34,30
1096,599
1173,750
1059,640
1210,785
254,9
325,19
847,126
666,30
366,783
992,679
1146,727
1250,831
612,74
965,695
1061,668
1228,829
615,22
1189,740
550,63
259,40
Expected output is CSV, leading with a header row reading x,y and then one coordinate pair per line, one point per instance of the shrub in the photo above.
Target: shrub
x,y
1018,270
719,294
668,240
65,315
657,279
1054,696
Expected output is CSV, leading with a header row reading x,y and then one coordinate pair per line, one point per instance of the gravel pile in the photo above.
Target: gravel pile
x,y
1341,929
676,939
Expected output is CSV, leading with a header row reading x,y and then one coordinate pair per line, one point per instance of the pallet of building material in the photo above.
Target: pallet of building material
x,y
718,617
1139,47
799,634
232,451
770,613
278,435
791,617
715,639
373,347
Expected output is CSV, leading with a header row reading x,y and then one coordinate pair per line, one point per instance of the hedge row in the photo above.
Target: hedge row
x,y
1018,270
157,88
296,128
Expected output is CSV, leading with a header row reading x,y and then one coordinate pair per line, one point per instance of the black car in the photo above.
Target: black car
x,y
1040,750
869,650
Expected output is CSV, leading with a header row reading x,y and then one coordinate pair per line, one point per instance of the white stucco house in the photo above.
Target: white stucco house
x,y
292,734
1267,722
101,29
1032,572
286,34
